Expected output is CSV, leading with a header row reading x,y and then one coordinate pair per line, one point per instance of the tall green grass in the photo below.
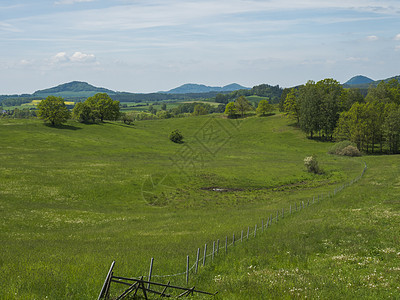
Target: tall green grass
x,y
345,247
74,198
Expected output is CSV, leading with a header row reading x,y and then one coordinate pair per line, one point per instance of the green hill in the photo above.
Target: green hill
x,y
359,80
363,83
74,89
76,197
201,88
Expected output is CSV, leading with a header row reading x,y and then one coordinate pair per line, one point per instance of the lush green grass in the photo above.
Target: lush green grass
x,y
73,199
345,247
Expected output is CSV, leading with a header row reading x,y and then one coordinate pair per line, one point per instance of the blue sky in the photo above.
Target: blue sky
x,y
148,46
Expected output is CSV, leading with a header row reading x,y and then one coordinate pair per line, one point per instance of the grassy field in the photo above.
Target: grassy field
x,y
73,199
345,247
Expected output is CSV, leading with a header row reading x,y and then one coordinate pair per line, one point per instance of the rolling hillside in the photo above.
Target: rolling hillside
x,y
77,197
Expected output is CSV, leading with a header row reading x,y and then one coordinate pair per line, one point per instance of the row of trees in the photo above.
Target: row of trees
x,y
328,110
370,124
98,107
241,105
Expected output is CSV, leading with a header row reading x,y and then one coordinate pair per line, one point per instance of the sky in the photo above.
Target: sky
x,y
144,46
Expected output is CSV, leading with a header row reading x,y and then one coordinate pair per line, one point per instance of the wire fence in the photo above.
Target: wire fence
x,y
249,233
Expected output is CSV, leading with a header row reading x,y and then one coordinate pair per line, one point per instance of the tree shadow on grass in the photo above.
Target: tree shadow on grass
x,y
267,115
63,126
122,124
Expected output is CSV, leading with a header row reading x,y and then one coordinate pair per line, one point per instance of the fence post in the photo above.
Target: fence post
x,y
212,257
217,246
283,212
255,230
295,206
205,255
226,244
277,215
150,271
248,231
241,237
187,270
290,209
197,260
106,282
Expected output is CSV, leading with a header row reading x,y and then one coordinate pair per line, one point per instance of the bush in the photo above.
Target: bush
x,y
350,151
346,148
141,116
163,114
176,137
311,164
127,118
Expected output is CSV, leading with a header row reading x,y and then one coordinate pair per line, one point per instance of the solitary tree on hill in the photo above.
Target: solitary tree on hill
x,y
263,108
230,110
103,107
243,105
53,110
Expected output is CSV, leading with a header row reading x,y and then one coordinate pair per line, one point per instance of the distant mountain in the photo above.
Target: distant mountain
x,y
190,88
72,89
359,80
363,83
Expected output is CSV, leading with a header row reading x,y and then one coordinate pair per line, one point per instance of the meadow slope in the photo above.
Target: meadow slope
x,y
74,198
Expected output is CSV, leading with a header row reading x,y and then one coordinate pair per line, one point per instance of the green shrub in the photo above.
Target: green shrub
x,y
311,164
350,151
338,147
127,118
176,136
163,114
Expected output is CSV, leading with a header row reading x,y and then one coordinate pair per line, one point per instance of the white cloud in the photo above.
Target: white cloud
x,y
69,2
82,57
397,37
372,38
60,57
77,57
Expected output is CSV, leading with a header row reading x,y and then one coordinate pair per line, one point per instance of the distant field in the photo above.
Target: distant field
x,y
170,105
75,198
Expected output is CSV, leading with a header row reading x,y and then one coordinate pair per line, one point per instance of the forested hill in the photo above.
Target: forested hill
x,y
72,89
363,83
273,93
359,80
78,91
201,88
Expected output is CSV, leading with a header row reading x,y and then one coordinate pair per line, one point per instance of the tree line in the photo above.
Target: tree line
x,y
241,105
99,107
262,90
331,112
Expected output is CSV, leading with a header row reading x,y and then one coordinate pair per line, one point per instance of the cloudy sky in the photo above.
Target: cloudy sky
x,y
153,45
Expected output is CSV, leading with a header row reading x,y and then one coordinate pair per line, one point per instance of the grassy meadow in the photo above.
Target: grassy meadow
x,y
74,198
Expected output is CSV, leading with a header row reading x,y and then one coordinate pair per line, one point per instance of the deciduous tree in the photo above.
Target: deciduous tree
x,y
103,107
231,110
292,105
264,108
243,105
53,110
